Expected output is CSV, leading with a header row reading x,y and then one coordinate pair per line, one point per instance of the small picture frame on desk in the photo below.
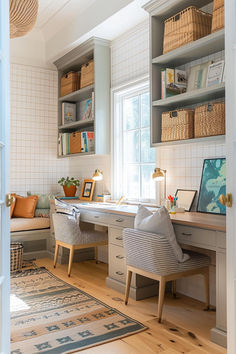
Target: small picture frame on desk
x,y
185,198
87,189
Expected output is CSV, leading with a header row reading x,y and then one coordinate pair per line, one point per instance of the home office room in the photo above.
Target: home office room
x,y
117,168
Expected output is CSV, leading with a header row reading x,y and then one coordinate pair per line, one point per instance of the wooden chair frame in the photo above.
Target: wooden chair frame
x,y
162,283
72,248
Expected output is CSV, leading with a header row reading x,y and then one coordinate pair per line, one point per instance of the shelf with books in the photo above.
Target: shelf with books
x,y
76,124
78,95
203,47
193,97
79,112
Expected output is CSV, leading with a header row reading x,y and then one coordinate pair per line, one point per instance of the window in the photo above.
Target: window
x,y
134,159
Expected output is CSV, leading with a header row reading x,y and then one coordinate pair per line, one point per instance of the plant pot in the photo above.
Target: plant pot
x,y
69,191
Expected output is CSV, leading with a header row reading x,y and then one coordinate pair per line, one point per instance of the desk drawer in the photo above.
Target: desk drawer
x,y
115,236
121,220
94,217
117,265
195,236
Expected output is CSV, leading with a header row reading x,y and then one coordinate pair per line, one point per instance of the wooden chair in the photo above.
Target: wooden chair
x,y
151,255
69,235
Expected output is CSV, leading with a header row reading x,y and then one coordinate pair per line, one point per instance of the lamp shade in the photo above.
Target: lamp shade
x,y
98,175
158,174
23,15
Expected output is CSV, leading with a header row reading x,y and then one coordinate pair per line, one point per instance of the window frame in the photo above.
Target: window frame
x,y
119,94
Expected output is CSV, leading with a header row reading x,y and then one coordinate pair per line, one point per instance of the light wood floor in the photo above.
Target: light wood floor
x,y
185,327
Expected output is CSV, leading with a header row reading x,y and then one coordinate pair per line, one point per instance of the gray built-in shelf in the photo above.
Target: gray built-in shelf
x,y
98,50
159,11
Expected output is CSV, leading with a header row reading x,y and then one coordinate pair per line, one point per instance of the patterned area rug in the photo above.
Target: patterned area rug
x,y
50,316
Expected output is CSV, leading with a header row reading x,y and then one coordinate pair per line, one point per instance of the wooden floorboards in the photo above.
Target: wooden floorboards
x,y
185,327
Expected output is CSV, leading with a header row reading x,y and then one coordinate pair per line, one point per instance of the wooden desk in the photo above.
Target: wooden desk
x,y
192,229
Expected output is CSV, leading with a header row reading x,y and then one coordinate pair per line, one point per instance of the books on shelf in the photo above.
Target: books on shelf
x,y
86,109
68,113
76,142
173,82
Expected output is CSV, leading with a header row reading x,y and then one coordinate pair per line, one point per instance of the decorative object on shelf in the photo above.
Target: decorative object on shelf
x,y
75,142
177,125
160,175
215,73
69,185
173,82
213,184
218,18
23,15
185,198
184,27
68,114
87,74
69,83
87,189
209,119
198,76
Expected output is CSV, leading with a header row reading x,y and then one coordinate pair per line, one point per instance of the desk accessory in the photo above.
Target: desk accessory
x,y
87,189
213,184
160,175
69,185
185,198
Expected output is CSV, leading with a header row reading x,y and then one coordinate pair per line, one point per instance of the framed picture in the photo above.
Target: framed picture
x,y
213,184
198,76
87,189
185,198
215,73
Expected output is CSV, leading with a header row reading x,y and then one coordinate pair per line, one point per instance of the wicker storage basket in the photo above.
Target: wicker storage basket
x,y
75,142
184,27
177,125
87,74
209,119
16,251
218,18
70,83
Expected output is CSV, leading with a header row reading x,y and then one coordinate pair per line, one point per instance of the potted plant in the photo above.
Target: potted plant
x,y
69,185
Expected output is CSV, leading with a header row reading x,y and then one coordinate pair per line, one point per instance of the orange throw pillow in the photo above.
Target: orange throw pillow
x,y
25,206
13,204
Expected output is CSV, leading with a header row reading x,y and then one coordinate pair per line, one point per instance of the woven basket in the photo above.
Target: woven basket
x,y
16,251
177,125
218,18
87,74
184,27
70,83
209,119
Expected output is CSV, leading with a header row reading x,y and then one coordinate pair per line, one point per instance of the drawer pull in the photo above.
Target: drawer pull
x,y
186,234
120,257
119,238
119,220
119,273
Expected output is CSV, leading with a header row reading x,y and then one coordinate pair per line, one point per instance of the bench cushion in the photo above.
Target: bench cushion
x,y
25,224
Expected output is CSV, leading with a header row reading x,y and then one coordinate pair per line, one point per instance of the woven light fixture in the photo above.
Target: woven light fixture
x,y
23,15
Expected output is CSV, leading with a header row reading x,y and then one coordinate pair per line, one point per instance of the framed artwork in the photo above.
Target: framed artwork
x,y
87,189
198,76
185,198
213,184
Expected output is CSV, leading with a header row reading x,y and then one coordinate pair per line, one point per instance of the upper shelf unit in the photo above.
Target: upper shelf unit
x,y
161,10
98,93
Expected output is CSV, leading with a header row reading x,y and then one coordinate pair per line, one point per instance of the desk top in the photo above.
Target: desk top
x,y
195,219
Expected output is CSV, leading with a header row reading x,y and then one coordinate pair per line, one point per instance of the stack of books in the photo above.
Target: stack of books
x,y
77,142
83,110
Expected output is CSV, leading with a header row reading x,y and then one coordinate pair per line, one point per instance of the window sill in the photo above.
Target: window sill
x,y
127,202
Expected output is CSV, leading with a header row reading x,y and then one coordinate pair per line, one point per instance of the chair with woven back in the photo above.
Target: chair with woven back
x,y
69,235
152,255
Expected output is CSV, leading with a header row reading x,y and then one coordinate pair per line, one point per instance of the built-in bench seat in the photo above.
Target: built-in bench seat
x,y
34,233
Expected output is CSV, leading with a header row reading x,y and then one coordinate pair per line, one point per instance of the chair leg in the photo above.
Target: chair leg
x,y
162,285
174,288
127,288
56,254
70,259
206,281
96,254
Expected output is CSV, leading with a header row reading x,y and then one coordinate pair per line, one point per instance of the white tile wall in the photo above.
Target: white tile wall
x,y
33,162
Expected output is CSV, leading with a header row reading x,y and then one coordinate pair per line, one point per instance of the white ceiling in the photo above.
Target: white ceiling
x,y
55,14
